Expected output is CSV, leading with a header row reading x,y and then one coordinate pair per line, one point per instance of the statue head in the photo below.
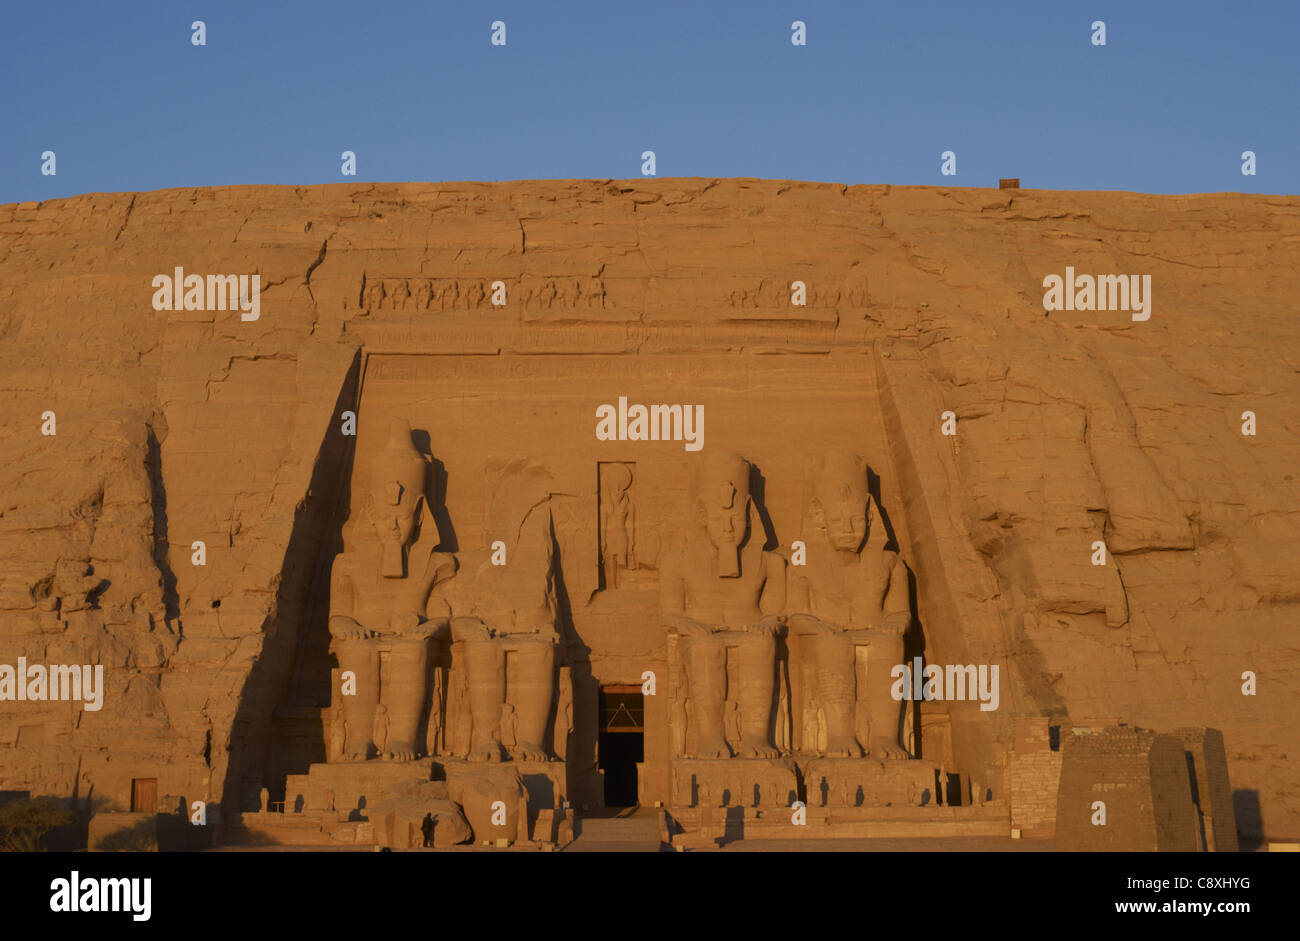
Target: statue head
x,y
722,505
397,497
841,504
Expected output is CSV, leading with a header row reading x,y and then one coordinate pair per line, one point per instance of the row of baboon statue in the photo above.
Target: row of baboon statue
x,y
777,293
453,294
473,294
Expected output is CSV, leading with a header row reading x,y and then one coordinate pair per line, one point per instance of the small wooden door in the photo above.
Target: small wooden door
x,y
144,795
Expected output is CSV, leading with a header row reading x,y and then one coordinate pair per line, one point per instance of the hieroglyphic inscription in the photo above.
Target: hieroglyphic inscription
x,y
775,294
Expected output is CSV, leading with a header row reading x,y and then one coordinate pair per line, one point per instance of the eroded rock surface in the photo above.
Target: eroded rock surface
x,y
1073,426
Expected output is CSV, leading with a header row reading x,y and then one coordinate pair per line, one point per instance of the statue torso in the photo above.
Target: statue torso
x,y
850,595
723,602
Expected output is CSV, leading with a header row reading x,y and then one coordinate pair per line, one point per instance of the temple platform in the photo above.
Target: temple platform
x,y
383,802
711,827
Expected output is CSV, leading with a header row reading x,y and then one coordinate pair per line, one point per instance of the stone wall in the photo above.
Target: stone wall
x,y
1141,779
1033,775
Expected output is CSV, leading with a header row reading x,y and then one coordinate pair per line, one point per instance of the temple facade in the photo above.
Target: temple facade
x,y
541,593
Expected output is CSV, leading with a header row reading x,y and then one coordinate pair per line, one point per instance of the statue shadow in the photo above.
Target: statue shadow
x,y
438,484
585,721
733,827
295,662
1250,820
914,640
158,494
758,493
873,488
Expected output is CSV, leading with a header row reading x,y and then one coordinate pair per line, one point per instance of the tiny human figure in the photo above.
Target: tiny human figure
x,y
426,827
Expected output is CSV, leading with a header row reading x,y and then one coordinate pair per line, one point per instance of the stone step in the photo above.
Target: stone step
x,y
637,832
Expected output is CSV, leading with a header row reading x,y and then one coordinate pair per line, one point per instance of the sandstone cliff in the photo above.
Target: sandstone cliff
x,y
1073,426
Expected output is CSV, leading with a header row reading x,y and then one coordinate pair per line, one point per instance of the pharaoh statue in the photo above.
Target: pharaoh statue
x,y
721,589
853,592
378,602
502,607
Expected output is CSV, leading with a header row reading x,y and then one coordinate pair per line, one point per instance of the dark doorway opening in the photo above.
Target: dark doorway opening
x,y
621,742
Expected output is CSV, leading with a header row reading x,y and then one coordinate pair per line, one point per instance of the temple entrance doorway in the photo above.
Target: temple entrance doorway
x,y
621,742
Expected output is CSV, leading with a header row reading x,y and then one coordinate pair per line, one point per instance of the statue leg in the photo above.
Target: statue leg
x,y
706,667
485,662
798,689
757,693
884,712
810,735
533,695
837,686
405,696
361,658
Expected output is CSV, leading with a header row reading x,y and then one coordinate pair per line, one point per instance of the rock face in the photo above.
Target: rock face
x,y
1073,427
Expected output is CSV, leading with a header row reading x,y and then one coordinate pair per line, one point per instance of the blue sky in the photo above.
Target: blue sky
x,y
119,93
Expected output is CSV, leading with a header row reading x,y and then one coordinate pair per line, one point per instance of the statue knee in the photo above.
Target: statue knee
x,y
808,625
469,630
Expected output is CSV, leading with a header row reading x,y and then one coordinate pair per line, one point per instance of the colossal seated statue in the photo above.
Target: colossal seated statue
x,y
852,593
720,589
379,588
502,607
